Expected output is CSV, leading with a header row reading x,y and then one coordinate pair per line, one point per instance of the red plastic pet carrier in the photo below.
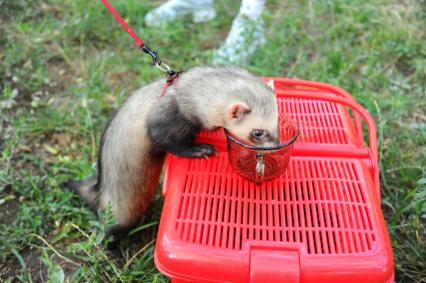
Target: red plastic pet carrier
x,y
318,222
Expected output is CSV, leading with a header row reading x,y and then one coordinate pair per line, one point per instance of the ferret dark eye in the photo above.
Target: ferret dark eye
x,y
258,133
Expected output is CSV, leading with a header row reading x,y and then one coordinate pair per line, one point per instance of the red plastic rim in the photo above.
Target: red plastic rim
x,y
265,148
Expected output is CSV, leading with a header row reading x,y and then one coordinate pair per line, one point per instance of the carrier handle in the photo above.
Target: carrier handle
x,y
311,84
368,119
291,82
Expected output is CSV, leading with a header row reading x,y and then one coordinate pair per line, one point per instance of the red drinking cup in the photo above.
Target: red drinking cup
x,y
262,164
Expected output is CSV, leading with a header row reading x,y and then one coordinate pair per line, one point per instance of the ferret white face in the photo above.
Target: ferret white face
x,y
253,129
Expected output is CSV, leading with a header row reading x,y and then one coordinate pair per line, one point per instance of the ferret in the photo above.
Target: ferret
x,y
147,126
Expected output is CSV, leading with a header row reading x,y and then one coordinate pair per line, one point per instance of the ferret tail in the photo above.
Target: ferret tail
x,y
87,189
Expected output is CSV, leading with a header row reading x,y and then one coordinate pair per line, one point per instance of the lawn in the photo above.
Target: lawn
x,y
65,66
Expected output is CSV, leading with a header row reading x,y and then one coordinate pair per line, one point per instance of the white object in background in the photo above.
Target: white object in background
x,y
246,34
200,10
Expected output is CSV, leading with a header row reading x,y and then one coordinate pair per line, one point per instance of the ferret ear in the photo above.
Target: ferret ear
x,y
238,110
270,83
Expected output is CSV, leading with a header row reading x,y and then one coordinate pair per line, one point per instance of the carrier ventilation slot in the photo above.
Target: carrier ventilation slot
x,y
319,203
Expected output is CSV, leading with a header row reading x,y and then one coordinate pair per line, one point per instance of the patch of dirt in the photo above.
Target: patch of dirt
x,y
405,66
10,207
24,153
60,74
11,267
121,78
9,10
6,128
19,77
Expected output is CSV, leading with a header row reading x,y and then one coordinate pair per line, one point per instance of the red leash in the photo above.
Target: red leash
x,y
119,19
156,60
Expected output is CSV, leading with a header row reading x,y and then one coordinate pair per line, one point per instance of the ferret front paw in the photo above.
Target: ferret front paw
x,y
195,151
202,150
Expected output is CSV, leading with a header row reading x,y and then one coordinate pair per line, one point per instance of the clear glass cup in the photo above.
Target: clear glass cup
x,y
262,164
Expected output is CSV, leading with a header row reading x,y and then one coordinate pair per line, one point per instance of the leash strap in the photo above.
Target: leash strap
x,y
155,59
123,23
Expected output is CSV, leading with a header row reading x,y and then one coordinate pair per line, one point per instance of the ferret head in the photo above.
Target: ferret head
x,y
254,121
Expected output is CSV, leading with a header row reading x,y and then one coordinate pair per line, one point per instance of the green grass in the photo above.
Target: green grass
x,y
66,65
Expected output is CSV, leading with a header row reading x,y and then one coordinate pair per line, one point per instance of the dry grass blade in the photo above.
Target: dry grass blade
x,y
55,251
129,262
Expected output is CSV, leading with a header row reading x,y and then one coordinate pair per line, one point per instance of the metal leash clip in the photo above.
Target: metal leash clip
x,y
157,61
